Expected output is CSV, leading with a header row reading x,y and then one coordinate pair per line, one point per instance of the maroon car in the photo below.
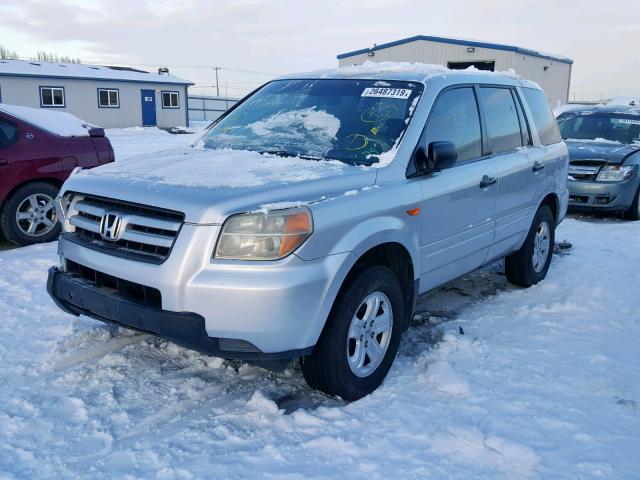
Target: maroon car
x,y
38,151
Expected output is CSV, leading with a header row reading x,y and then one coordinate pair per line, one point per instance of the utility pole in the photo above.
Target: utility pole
x,y
217,86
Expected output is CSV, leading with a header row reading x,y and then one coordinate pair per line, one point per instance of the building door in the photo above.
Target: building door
x,y
148,99
480,65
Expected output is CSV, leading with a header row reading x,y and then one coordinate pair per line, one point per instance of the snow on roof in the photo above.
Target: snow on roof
x,y
459,41
58,123
625,101
84,71
405,71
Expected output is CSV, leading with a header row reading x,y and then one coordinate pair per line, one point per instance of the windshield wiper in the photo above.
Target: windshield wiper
x,y
284,153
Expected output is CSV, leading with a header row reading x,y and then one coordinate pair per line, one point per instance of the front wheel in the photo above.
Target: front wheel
x,y
360,342
29,214
530,264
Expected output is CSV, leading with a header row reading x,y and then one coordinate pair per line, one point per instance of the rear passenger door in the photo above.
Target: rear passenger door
x,y
508,142
457,206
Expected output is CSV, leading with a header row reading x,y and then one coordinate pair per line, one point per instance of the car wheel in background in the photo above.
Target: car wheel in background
x,y
634,210
29,215
530,264
361,338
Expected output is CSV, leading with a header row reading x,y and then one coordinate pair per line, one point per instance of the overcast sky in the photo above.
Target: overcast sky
x,y
283,36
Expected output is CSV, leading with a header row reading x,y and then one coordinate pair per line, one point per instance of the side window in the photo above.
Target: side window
x,y
9,133
543,118
52,97
108,98
170,100
455,118
501,115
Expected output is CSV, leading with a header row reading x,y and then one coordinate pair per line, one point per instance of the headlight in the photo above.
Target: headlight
x,y
260,236
614,173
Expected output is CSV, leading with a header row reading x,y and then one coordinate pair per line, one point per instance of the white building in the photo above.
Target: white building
x,y
104,96
551,72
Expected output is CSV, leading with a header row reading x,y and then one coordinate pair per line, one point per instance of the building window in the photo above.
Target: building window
x,y
108,98
52,97
170,100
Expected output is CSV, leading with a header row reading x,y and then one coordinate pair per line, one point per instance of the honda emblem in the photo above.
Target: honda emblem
x,y
110,226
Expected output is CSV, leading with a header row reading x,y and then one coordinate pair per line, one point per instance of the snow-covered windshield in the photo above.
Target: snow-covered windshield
x,y
354,121
612,127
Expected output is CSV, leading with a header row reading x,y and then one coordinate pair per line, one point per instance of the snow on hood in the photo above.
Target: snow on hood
x,y
192,167
209,185
59,123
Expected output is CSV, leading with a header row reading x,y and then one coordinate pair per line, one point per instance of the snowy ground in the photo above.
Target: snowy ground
x,y
542,383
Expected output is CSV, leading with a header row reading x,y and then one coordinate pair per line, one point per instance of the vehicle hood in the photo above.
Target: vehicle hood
x,y
611,152
209,185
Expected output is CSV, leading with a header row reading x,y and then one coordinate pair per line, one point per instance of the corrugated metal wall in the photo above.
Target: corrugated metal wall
x,y
554,80
205,108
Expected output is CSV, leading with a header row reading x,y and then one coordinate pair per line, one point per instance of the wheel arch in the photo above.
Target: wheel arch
x,y
553,202
56,182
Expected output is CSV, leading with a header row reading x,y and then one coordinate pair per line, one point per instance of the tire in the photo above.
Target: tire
x,y
634,210
334,367
34,203
520,267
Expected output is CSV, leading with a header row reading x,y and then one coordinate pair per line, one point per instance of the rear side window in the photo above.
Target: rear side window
x,y
8,133
501,116
543,118
455,118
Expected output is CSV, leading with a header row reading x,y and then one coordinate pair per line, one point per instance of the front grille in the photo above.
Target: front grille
x,y
146,233
585,170
113,285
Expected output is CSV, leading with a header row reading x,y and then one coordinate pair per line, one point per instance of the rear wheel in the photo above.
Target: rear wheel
x,y
360,342
29,214
634,210
530,264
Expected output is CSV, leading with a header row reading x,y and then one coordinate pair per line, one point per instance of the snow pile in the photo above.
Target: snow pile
x,y
314,129
59,123
217,168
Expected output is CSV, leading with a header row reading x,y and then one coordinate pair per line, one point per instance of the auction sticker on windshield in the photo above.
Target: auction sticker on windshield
x,y
629,121
402,93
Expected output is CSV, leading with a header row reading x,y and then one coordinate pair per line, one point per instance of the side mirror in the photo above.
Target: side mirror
x,y
437,156
441,155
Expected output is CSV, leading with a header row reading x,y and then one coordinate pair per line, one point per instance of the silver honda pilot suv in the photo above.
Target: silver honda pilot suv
x,y
308,218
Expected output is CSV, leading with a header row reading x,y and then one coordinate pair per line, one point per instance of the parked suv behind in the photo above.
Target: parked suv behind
x,y
310,216
604,151
38,151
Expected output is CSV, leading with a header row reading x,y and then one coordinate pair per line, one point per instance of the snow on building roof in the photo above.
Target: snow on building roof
x,y
24,68
460,41
58,123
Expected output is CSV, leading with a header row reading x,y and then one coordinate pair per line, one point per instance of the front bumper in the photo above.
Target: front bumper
x,y
76,296
612,196
278,307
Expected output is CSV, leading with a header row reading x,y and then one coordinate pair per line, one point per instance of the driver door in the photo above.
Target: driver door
x,y
458,203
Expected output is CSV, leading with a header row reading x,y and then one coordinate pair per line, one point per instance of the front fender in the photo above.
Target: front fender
x,y
361,221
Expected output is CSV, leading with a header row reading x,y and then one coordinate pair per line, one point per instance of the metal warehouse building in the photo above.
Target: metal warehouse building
x,y
552,73
104,96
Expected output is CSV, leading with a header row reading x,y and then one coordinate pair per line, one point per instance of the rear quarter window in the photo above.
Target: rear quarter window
x,y
543,118
8,133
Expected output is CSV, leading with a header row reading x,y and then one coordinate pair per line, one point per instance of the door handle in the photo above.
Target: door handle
x,y
487,181
4,162
537,166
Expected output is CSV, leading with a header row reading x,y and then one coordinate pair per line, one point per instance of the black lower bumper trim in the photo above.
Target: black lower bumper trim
x,y
77,296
